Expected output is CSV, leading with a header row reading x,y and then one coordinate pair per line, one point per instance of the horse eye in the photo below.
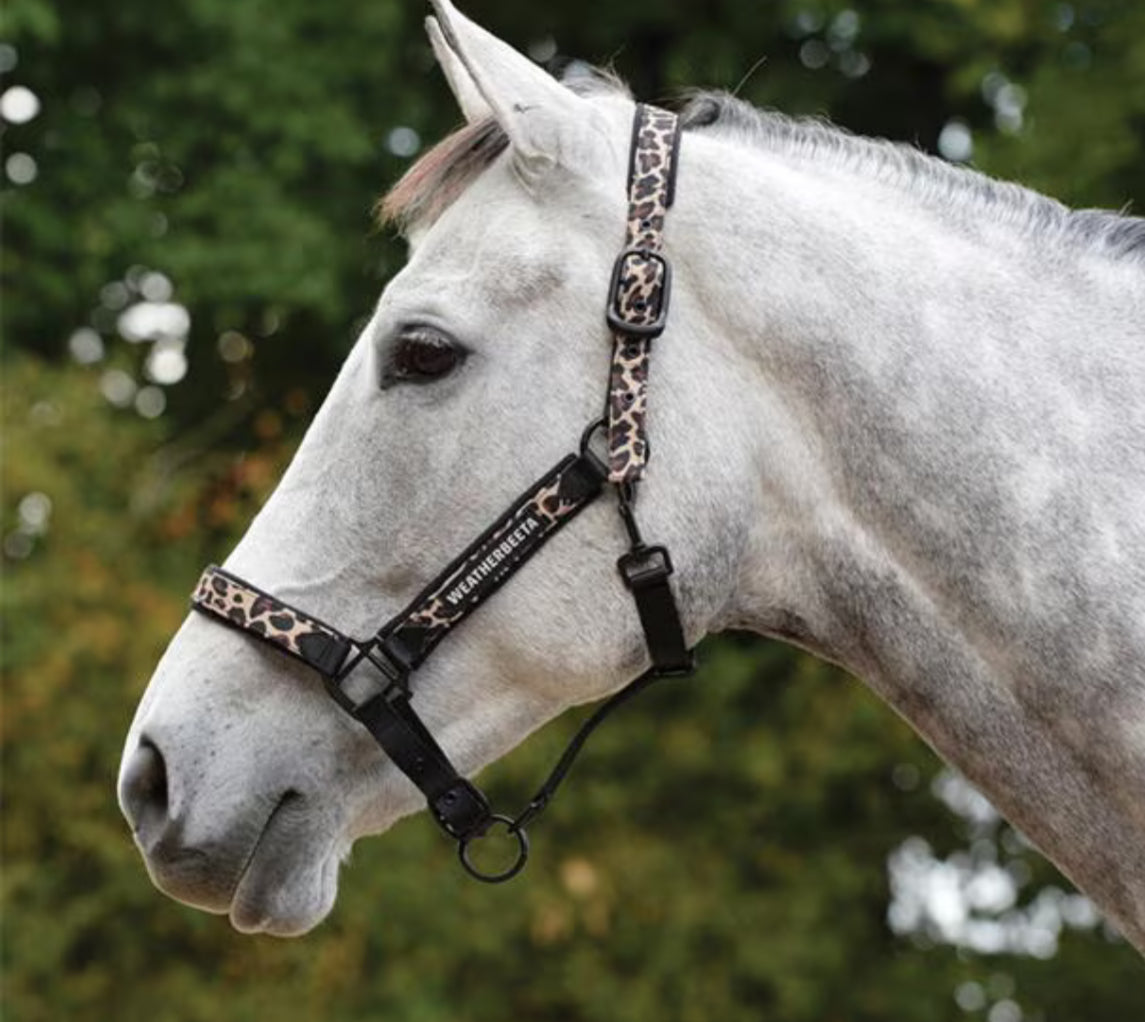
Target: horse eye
x,y
421,355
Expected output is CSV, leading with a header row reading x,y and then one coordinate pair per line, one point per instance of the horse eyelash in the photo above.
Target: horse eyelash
x,y
414,332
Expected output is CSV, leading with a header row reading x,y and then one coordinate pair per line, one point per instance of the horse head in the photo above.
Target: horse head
x,y
484,360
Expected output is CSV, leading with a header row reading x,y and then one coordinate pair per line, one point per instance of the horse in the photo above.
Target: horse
x,y
898,421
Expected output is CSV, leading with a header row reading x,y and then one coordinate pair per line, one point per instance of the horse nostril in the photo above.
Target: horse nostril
x,y
143,791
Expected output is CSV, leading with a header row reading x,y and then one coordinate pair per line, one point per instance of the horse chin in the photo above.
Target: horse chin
x,y
290,881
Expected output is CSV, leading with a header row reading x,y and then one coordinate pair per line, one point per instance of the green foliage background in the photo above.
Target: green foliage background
x,y
236,146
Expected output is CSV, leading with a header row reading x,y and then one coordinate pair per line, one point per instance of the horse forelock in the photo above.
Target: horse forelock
x,y
436,181
433,183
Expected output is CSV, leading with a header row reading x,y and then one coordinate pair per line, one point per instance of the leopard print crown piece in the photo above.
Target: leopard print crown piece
x,y
641,281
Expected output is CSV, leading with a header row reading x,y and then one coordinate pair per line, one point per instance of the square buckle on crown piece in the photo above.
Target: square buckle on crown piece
x,y
639,317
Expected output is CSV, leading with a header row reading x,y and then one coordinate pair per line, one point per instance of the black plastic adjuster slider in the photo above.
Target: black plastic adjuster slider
x,y
353,688
645,566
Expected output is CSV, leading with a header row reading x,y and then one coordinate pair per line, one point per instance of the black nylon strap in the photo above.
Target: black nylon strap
x,y
646,571
460,808
563,765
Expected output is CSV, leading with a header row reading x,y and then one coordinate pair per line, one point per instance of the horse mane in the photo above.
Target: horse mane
x,y
932,179
442,174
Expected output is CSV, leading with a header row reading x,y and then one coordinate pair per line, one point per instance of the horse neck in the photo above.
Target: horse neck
x,y
953,501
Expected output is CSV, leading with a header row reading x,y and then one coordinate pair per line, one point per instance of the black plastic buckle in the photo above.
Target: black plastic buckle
x,y
645,566
462,810
616,316
364,687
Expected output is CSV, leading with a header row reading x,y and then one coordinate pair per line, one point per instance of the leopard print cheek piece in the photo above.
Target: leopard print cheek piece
x,y
543,512
640,288
489,562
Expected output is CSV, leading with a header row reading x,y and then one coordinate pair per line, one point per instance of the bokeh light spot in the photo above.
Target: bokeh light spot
x,y
844,28
955,142
403,141
905,776
167,362
814,54
807,20
114,295
150,402
543,50
17,545
35,509
19,104
854,64
85,346
156,287
21,169
970,996
117,387
234,347
1004,1011
150,321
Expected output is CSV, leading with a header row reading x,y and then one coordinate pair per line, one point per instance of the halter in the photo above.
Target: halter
x,y
370,678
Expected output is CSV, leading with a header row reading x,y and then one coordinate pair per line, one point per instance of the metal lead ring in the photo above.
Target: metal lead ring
x,y
507,874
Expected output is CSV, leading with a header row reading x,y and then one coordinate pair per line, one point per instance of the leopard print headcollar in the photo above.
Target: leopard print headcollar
x,y
369,678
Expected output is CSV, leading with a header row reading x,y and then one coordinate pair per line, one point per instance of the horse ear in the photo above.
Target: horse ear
x,y
540,116
468,97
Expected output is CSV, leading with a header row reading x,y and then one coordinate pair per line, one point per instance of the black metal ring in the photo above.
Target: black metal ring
x,y
514,869
587,434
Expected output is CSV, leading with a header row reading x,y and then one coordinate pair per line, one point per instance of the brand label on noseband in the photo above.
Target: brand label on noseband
x,y
499,553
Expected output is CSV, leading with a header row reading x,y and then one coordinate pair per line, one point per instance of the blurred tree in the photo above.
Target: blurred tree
x,y
221,158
